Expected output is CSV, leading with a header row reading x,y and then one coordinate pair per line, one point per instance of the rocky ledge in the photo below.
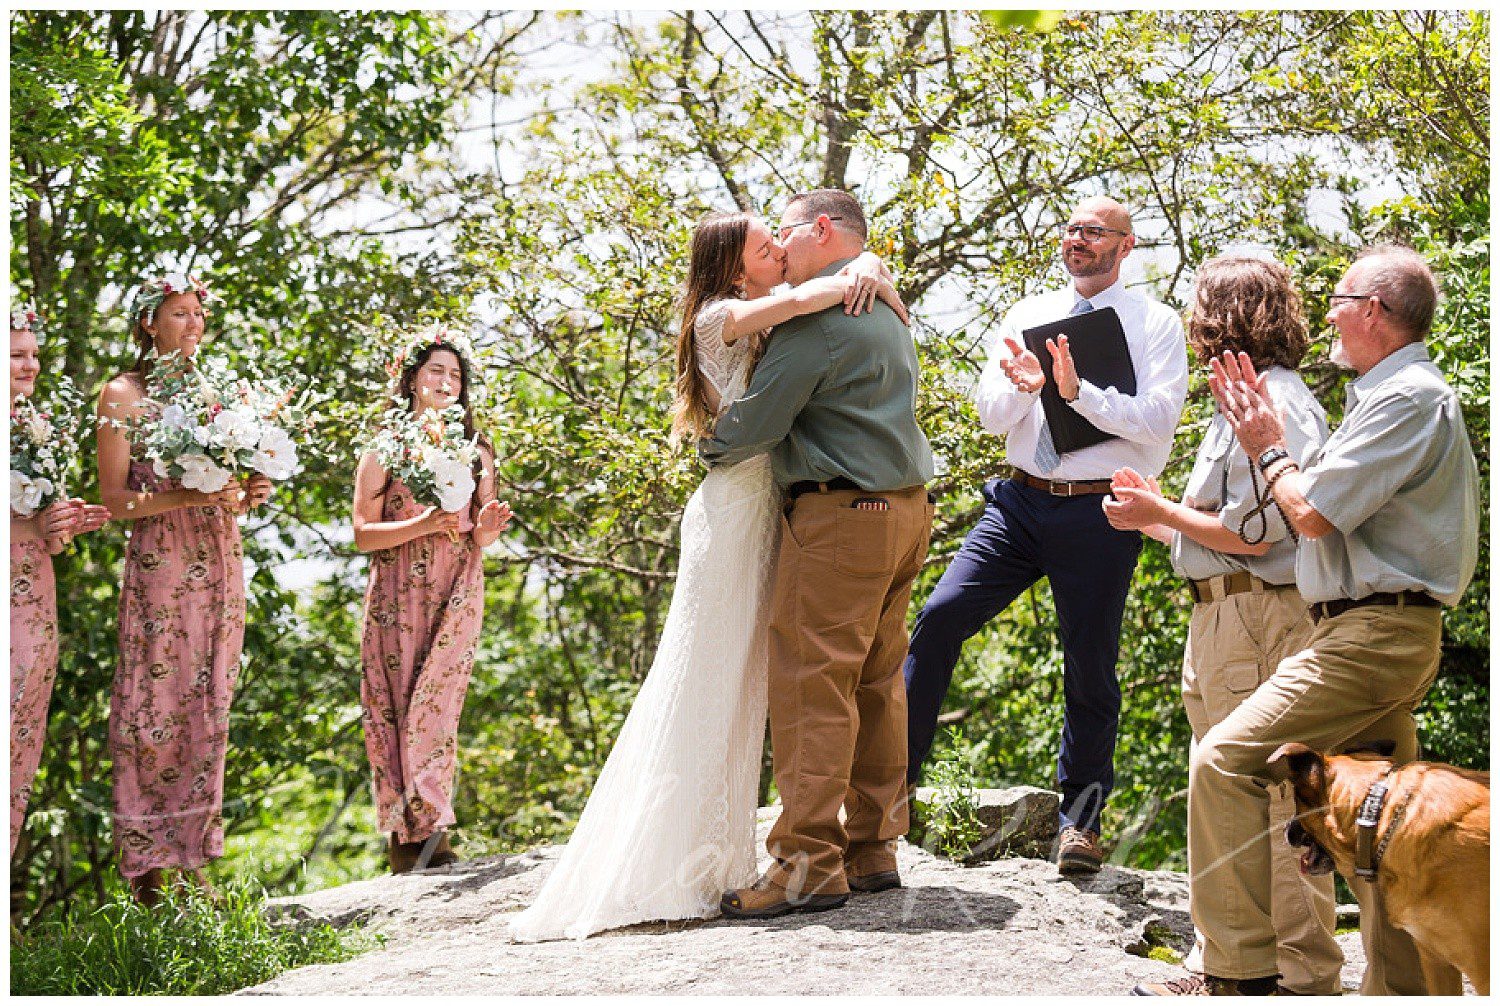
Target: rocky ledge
x,y
1003,926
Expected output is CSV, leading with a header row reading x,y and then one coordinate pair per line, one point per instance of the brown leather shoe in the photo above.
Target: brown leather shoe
x,y
1079,852
1207,985
769,900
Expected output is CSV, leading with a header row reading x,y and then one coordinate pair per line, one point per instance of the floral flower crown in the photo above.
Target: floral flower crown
x,y
25,319
155,289
412,345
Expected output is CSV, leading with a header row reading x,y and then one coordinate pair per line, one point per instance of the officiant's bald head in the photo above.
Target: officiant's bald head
x,y
1096,239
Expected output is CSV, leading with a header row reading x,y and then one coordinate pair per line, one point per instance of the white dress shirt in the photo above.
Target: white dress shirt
x,y
1143,422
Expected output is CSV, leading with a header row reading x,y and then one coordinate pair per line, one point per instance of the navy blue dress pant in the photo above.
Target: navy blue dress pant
x,y
1024,535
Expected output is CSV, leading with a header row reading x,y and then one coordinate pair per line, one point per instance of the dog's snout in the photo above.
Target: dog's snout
x,y
1296,835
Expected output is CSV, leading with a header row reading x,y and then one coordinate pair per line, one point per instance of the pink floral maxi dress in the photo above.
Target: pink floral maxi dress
x,y
182,625
422,617
33,662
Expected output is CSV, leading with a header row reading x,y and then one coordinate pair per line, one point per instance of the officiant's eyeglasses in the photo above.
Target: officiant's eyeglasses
x,y
1088,232
788,228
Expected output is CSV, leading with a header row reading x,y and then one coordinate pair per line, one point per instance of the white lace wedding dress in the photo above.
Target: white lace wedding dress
x,y
670,825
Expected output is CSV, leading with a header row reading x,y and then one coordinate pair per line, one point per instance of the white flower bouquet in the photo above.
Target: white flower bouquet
x,y
44,442
207,424
430,456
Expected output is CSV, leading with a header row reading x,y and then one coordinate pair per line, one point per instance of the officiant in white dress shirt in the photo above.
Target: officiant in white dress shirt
x,y
1046,519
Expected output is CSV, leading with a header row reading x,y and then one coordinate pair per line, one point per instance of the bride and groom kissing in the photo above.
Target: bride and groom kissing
x,y
798,554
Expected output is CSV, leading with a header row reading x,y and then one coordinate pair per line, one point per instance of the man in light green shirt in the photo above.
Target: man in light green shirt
x,y
1388,516
833,401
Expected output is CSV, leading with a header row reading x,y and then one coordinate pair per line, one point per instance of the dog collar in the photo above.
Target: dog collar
x,y
1367,851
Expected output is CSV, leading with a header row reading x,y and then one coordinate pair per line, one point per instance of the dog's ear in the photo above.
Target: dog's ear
x,y
1383,748
1298,763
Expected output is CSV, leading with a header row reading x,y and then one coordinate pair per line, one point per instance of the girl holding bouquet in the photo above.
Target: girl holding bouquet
x,y
424,506
42,521
182,615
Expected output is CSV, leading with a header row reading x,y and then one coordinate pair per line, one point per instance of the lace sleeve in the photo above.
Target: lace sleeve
x,y
716,361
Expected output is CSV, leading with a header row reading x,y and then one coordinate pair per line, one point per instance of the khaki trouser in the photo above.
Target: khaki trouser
x,y
1359,679
837,699
1233,645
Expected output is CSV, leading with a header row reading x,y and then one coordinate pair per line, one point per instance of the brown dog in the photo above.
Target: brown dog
x,y
1434,867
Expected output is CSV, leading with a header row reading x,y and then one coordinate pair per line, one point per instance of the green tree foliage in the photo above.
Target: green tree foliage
x,y
337,172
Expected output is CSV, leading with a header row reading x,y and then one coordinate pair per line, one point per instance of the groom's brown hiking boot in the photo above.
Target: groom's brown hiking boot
x,y
769,900
872,868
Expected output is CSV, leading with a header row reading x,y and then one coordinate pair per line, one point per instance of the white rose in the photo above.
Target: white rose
x,y
20,321
201,435
38,429
237,431
276,456
176,282
455,484
24,494
160,468
175,417
199,473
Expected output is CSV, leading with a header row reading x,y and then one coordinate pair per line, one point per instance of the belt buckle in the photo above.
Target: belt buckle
x,y
1052,484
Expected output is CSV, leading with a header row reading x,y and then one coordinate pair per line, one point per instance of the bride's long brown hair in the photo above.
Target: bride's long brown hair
x,y
714,268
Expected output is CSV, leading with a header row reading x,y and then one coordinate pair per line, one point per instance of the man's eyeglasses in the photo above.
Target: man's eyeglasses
x,y
1088,232
788,228
1334,298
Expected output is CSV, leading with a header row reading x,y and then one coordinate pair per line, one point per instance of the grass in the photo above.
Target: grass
x,y
949,825
185,946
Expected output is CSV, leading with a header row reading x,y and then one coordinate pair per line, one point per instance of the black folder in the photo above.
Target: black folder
x,y
1097,342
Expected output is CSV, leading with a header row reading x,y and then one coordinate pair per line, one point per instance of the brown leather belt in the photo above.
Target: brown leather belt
x,y
1408,598
1216,588
1056,488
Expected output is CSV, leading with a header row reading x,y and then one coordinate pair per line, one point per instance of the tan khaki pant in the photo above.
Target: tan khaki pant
x,y
837,699
1359,679
1234,644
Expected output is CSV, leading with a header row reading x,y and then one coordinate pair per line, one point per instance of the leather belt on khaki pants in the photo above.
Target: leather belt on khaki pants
x,y
1058,488
1403,598
1216,588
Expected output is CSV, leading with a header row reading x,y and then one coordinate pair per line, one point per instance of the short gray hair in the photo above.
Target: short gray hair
x,y
1405,284
841,206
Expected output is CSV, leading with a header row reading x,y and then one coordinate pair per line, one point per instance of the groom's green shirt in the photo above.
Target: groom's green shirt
x,y
834,395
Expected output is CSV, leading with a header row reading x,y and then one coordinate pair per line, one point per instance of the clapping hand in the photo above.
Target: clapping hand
x,y
493,518
1064,370
1134,503
1023,368
1245,399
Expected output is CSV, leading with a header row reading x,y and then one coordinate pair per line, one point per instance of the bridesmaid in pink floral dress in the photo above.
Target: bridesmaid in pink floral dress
x,y
34,540
422,618
182,622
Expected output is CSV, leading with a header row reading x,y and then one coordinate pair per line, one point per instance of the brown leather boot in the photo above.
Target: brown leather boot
x,y
1193,984
1079,852
769,900
402,855
442,852
147,888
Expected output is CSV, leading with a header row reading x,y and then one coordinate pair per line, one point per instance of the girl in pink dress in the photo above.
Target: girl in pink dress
x,y
422,619
182,622
34,540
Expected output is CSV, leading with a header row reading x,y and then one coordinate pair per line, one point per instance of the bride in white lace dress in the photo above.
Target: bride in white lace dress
x,y
670,824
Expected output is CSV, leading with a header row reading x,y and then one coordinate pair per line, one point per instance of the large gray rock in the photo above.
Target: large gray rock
x,y
1008,926
1017,821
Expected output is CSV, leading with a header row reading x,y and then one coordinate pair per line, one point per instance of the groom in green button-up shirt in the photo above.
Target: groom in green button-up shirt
x,y
833,402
